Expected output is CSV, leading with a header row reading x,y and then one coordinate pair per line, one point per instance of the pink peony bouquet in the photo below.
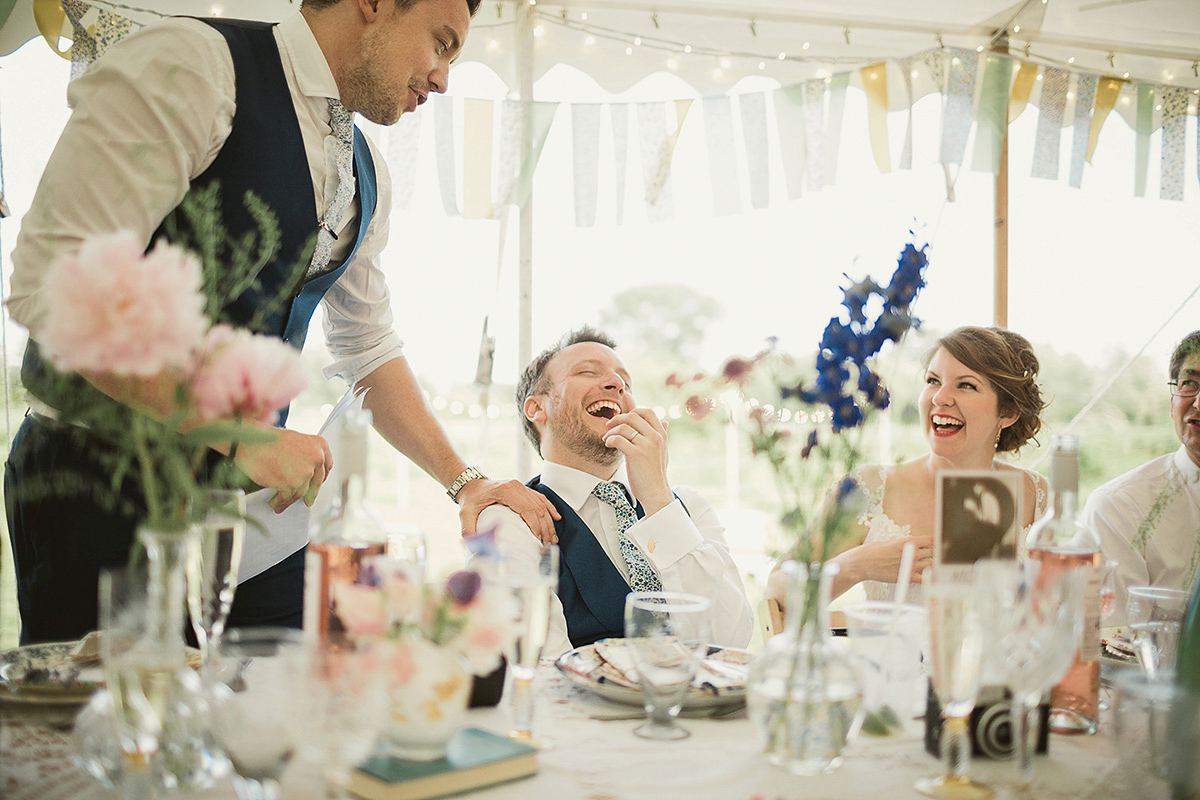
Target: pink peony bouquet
x,y
465,614
117,313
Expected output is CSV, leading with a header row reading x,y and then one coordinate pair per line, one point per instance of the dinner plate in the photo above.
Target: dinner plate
x,y
47,674
584,667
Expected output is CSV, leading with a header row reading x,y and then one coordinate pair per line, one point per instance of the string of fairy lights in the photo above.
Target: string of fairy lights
x,y
674,49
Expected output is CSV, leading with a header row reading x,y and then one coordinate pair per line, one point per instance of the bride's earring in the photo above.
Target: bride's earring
x,y
996,444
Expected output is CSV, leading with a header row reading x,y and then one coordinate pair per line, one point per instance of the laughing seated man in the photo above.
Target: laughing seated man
x,y
600,449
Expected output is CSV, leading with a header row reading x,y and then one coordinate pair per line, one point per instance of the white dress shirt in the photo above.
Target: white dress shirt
x,y
151,115
685,547
1149,521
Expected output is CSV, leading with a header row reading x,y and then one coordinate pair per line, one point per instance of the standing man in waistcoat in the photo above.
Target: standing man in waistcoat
x,y
622,526
187,104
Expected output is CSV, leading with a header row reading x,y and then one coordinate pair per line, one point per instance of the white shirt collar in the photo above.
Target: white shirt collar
x,y
575,486
303,57
1185,465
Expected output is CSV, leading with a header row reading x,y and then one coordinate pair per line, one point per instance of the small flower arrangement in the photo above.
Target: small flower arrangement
x,y
135,324
804,433
465,614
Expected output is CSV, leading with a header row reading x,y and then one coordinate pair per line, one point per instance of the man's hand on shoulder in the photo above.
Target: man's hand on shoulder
x,y
537,511
642,438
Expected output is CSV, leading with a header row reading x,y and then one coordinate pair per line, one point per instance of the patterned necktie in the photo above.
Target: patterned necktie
x,y
342,123
642,577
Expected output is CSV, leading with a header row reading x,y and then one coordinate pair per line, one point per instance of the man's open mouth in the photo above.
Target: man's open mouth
x,y
605,409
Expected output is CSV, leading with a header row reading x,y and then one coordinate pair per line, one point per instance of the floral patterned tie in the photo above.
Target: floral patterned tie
x,y
642,577
342,123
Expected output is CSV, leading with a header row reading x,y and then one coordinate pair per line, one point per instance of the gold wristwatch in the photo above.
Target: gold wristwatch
x,y
466,476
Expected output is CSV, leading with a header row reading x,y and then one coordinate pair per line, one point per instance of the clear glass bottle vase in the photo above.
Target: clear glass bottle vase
x,y
803,693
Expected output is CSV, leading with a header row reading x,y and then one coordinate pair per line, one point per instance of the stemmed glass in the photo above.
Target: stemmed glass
x,y
956,654
1154,615
667,634
213,566
532,582
1037,621
264,671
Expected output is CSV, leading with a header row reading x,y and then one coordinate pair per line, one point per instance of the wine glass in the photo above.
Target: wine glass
x,y
263,672
532,582
956,655
1037,621
408,544
213,566
667,634
1155,614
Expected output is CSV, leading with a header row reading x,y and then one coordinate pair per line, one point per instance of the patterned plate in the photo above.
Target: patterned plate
x,y
584,667
47,673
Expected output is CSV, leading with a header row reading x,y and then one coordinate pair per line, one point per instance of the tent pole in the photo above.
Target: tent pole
x,y
524,55
1000,267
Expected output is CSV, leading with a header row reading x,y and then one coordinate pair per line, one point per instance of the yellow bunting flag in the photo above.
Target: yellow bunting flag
x,y
1106,99
1022,89
477,158
874,81
50,19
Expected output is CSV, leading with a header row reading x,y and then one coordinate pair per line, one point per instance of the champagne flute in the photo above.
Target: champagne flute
x,y
260,710
213,566
956,655
667,634
532,582
1155,615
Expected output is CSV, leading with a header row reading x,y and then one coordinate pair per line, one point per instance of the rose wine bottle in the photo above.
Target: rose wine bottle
x,y
344,539
1060,541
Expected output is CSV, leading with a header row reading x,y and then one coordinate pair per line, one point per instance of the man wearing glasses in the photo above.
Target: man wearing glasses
x,y
1149,518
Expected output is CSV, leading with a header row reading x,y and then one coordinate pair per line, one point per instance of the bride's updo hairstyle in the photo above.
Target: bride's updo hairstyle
x,y
1008,362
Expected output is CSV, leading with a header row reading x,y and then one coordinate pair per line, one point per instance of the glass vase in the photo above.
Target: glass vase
x,y
803,693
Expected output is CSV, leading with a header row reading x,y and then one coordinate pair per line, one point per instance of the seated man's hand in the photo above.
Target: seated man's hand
x,y
642,438
537,511
294,464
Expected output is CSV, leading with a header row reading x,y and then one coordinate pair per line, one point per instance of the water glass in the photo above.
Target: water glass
x,y
532,583
1154,615
261,709
213,566
885,642
668,634
1143,715
407,544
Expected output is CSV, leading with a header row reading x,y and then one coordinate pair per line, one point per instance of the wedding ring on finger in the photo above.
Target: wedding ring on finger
x,y
633,436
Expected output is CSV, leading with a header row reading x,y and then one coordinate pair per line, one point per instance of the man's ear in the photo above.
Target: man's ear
x,y
535,409
371,9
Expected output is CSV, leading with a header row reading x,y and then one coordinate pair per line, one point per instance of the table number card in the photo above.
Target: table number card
x,y
977,515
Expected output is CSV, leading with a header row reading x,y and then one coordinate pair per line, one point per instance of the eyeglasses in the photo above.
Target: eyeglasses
x,y
1188,388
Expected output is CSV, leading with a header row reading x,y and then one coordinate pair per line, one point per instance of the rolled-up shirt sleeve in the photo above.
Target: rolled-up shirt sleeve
x,y
358,313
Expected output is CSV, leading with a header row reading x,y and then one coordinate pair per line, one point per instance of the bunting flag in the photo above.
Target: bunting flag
x,y
722,170
906,72
1174,126
443,126
1050,122
478,122
754,136
992,116
403,140
585,151
874,81
789,124
960,98
1106,97
833,129
618,115
1145,127
516,174
814,134
656,160
935,62
1085,94
1022,89
94,30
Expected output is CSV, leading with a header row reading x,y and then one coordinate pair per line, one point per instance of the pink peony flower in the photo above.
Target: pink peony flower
x,y
113,309
360,608
244,374
699,407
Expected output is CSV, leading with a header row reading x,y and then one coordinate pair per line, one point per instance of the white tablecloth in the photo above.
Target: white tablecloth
x,y
603,760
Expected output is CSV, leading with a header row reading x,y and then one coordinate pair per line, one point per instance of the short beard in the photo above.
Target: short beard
x,y
363,90
570,433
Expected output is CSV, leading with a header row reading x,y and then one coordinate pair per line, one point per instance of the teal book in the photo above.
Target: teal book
x,y
474,758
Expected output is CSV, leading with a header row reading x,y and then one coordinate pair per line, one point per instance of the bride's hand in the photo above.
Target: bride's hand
x,y
880,561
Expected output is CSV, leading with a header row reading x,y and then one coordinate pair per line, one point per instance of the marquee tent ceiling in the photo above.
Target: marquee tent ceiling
x,y
1155,41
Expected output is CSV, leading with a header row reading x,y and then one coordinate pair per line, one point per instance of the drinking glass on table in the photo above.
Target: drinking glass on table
x,y
667,634
532,583
213,566
261,712
1154,615
956,656
1036,620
